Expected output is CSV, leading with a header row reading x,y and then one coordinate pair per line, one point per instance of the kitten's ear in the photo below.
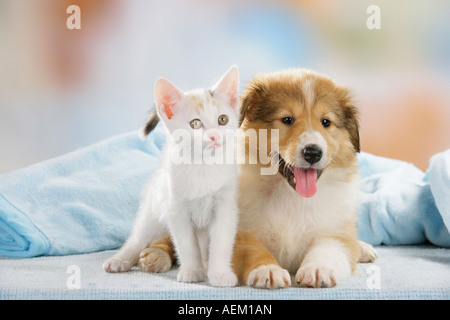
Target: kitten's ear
x,y
228,85
167,96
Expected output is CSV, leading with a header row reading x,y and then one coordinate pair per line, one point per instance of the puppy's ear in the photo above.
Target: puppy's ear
x,y
249,100
352,123
151,123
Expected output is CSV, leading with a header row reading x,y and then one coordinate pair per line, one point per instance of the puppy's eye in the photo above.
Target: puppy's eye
x,y
326,123
288,120
223,120
196,124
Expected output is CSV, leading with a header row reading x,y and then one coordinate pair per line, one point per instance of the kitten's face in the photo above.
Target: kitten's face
x,y
204,114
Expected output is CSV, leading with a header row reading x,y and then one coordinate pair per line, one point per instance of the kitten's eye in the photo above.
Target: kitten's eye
x,y
288,120
223,120
325,123
196,124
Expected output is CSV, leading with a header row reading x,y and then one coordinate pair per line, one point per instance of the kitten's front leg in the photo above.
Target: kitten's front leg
x,y
222,235
186,247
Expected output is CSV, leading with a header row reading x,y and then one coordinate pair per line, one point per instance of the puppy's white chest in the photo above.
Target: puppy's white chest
x,y
287,225
289,236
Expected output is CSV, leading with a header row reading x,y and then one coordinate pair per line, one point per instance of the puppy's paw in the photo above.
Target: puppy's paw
x,y
154,259
314,276
269,277
222,279
191,275
368,253
114,265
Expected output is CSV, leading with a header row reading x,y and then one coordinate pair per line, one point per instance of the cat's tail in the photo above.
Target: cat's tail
x,y
151,123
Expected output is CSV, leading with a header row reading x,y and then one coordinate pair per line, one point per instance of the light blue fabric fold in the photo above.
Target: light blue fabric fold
x,y
438,176
86,201
402,205
81,202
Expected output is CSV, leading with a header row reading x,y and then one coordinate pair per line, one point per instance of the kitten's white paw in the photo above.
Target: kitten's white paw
x,y
314,276
368,253
269,277
154,260
222,279
191,275
116,265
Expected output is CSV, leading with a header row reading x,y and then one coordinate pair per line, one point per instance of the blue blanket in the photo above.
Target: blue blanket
x,y
81,202
401,205
85,201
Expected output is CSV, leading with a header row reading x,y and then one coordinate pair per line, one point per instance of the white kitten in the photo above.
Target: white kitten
x,y
194,200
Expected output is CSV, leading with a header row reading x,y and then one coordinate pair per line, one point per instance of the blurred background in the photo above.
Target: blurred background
x,y
63,89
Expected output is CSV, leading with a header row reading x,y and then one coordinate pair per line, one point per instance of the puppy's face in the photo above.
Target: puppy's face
x,y
317,123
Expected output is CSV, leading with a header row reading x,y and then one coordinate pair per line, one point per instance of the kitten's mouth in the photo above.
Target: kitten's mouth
x,y
214,145
302,180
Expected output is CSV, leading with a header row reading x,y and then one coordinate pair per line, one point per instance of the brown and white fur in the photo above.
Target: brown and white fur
x,y
284,229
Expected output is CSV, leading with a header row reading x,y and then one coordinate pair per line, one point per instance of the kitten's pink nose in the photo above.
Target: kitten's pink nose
x,y
214,136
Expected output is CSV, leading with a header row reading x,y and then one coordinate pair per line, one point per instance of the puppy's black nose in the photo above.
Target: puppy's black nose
x,y
312,153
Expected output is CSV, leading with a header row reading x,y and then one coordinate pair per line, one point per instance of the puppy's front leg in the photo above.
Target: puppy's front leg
x,y
328,261
158,256
256,266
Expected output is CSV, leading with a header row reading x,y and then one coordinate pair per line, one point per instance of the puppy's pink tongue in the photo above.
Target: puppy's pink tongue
x,y
305,182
